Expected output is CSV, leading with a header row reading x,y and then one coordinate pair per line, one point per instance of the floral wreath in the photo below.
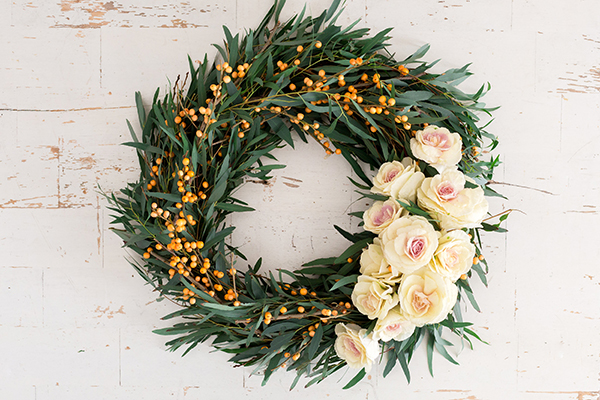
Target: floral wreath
x,y
401,280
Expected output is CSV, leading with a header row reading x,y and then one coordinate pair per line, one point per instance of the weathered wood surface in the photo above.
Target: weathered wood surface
x,y
76,323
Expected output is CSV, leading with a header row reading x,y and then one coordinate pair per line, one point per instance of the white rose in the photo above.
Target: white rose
x,y
394,326
354,347
373,297
437,146
409,243
373,263
445,198
381,215
426,297
454,255
399,180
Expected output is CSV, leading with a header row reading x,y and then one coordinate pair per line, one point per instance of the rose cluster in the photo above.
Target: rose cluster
x,y
409,271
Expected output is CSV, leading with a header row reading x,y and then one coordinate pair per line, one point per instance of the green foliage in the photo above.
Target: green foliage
x,y
282,92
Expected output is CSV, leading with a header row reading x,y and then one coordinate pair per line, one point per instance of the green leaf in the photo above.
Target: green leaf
x,y
321,261
430,345
357,378
166,196
132,132
404,364
390,364
140,109
280,129
317,271
218,237
358,185
439,346
417,54
357,169
145,147
472,300
314,342
346,234
477,268
352,250
344,281
470,332
412,97
233,207
218,190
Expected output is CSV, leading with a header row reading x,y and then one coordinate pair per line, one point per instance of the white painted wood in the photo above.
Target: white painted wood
x,y
76,320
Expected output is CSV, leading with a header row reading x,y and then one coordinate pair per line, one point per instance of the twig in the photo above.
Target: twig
x,y
520,186
502,213
268,42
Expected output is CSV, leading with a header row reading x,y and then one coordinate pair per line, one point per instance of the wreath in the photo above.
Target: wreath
x,y
406,272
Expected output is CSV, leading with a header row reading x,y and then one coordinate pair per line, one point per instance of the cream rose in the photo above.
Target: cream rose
x,y
426,297
409,243
381,215
355,347
399,180
373,297
373,263
454,255
445,198
437,146
394,326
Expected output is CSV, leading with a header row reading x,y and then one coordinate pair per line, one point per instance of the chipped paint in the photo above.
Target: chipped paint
x,y
94,14
584,395
107,312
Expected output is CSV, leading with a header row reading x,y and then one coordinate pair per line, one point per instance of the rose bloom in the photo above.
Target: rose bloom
x,y
372,263
399,180
437,146
381,215
454,255
394,326
373,297
409,243
354,347
426,297
445,198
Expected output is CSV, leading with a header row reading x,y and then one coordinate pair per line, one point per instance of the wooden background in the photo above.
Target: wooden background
x,y
76,322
